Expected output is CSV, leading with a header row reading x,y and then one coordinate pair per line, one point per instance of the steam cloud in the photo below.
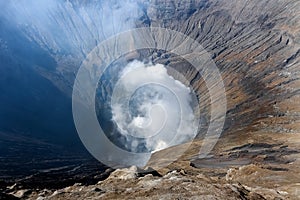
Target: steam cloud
x,y
148,103
69,27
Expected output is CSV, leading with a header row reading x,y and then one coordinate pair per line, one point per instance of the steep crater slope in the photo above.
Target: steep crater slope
x,y
256,47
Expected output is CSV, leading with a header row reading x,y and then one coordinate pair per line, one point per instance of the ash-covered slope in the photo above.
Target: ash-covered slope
x,y
256,47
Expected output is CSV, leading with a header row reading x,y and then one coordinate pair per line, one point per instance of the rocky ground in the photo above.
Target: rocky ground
x,y
255,166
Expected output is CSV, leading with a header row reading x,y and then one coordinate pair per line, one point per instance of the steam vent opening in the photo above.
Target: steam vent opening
x,y
155,99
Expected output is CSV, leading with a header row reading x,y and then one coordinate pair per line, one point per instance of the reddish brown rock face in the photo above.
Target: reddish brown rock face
x,y
256,47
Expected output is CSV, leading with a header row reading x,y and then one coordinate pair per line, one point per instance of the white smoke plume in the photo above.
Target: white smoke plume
x,y
70,26
149,103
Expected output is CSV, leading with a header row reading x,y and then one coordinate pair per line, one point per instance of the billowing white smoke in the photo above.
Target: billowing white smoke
x,y
75,27
148,103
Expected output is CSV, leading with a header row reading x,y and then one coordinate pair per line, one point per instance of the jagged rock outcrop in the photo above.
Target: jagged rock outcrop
x,y
174,184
